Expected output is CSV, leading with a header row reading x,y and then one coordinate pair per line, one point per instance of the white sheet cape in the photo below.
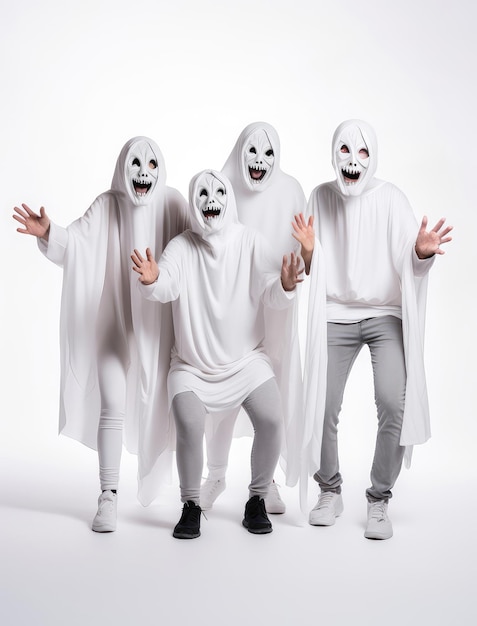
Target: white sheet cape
x,y
216,281
269,208
94,252
366,260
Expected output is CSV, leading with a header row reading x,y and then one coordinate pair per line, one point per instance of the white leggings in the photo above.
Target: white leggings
x,y
113,361
263,407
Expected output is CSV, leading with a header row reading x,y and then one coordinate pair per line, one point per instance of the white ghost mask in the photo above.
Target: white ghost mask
x,y
354,156
211,200
258,158
141,172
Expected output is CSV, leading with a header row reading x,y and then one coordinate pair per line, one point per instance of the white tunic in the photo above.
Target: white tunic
x,y
216,285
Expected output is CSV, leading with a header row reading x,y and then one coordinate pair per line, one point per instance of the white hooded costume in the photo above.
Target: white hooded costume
x,y
94,251
267,200
365,267
216,276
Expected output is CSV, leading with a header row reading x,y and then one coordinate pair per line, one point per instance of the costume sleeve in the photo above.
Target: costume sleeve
x,y
421,266
168,284
55,247
276,297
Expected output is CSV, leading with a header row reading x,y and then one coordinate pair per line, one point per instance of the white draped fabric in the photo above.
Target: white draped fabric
x,y
216,280
269,207
364,265
94,252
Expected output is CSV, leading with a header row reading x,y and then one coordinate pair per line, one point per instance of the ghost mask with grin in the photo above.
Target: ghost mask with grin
x,y
354,156
140,171
258,159
212,202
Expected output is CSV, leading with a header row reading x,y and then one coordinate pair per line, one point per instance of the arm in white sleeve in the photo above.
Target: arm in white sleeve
x,y
168,284
421,266
55,247
276,297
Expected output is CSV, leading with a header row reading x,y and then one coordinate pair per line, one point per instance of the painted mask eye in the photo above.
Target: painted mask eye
x,y
344,149
363,153
220,191
203,192
152,164
136,162
252,150
269,153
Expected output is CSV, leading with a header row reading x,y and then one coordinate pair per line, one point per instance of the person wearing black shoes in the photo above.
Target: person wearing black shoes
x,y
188,527
217,275
255,518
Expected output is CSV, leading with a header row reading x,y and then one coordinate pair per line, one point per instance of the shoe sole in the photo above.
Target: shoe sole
x,y
180,535
377,536
103,529
328,522
257,531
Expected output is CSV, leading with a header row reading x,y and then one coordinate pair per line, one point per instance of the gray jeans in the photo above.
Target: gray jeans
x,y
383,335
263,407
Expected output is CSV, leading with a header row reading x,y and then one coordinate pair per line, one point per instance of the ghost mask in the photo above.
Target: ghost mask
x,y
354,156
141,171
258,158
211,200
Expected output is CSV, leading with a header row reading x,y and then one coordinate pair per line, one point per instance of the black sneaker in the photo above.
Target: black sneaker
x,y
255,517
188,527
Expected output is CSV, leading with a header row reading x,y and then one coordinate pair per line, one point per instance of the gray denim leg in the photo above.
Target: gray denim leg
x,y
263,406
384,338
383,335
189,415
344,344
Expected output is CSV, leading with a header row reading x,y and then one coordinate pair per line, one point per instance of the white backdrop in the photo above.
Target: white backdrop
x,y
80,78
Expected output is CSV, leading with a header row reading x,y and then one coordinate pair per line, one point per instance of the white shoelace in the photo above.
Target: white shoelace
x,y
378,511
325,499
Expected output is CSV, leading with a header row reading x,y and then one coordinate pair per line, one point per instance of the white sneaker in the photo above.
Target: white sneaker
x,y
210,491
327,509
105,518
273,502
379,525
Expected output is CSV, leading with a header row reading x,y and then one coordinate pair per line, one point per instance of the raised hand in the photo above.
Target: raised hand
x,y
146,268
305,235
291,273
33,224
428,242
304,232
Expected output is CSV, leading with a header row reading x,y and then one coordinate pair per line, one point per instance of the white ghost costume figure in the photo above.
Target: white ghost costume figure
x,y
267,200
364,266
217,275
104,319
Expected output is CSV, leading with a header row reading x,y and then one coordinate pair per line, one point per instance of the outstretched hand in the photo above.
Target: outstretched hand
x,y
33,224
291,273
428,242
146,268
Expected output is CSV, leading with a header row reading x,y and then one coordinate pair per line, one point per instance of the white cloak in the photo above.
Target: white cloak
x,y
94,252
269,208
365,266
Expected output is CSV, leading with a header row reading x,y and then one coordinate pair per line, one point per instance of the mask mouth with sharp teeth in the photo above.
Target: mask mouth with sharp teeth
x,y
141,188
350,175
258,158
